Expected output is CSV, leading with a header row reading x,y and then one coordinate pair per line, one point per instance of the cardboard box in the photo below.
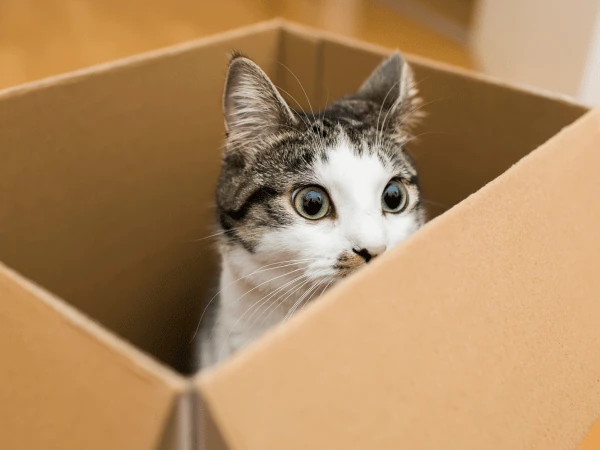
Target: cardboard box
x,y
479,332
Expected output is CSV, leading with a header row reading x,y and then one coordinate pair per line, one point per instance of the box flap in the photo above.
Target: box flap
x,y
107,184
592,440
479,332
65,383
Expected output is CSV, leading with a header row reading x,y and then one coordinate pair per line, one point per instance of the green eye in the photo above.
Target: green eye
x,y
311,202
394,198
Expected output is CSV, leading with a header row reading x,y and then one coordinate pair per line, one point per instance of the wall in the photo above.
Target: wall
x,y
590,86
545,43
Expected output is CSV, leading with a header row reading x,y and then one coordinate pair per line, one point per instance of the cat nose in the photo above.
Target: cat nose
x,y
369,254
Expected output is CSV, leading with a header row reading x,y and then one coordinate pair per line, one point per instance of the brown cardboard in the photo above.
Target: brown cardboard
x,y
99,205
106,182
592,440
91,164
507,308
53,358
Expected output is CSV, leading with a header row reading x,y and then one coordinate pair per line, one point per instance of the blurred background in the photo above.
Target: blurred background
x,y
550,44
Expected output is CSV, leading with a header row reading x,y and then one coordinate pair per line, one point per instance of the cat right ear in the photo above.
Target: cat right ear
x,y
392,86
252,105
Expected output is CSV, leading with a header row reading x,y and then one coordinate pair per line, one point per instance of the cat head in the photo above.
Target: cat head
x,y
327,191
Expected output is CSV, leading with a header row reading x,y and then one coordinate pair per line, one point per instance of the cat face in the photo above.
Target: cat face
x,y
321,193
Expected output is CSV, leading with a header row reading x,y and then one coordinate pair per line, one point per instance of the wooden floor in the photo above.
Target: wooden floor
x,y
39,38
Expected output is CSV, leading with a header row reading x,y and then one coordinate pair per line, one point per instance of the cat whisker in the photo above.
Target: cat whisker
x,y
279,265
322,292
433,203
420,135
281,300
296,303
208,237
305,120
278,303
422,105
416,83
310,291
256,287
307,99
326,100
300,84
404,143
249,309
327,286
331,278
291,289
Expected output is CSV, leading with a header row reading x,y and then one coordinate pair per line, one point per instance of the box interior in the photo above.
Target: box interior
x,y
107,176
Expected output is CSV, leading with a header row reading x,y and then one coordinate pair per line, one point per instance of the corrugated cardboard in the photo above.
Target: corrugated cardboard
x,y
592,440
467,337
480,332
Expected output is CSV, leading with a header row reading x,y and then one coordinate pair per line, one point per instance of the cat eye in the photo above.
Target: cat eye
x,y
394,198
311,202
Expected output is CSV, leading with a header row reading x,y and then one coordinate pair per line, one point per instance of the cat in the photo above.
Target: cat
x,y
305,199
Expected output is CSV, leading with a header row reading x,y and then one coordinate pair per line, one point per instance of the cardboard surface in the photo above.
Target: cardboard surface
x,y
592,440
480,332
107,184
299,68
67,384
106,178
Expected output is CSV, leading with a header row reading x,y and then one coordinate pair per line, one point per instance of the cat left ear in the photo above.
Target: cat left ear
x,y
392,86
252,105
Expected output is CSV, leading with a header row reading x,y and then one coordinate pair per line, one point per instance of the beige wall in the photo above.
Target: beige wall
x,y
543,43
590,86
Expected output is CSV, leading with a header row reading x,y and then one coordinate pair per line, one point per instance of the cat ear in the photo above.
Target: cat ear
x,y
392,86
252,106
